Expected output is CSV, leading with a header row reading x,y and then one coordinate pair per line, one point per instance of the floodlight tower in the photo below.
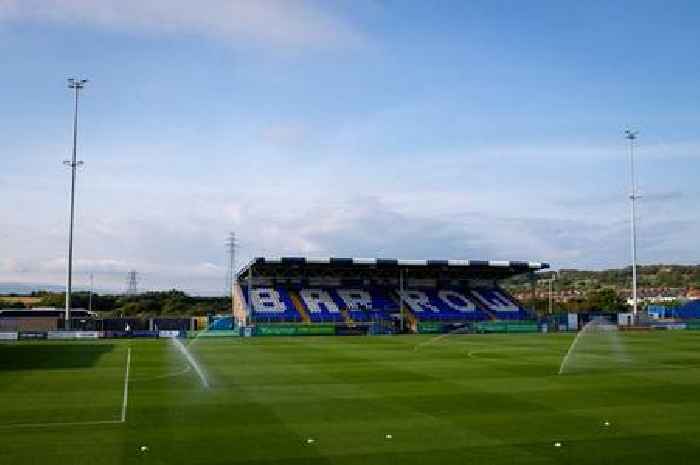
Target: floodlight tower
x,y
76,85
632,136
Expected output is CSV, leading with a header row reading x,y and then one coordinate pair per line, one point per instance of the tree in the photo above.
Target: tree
x,y
12,304
148,304
605,300
131,309
175,306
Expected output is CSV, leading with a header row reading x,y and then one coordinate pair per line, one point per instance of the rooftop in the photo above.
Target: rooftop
x,y
456,269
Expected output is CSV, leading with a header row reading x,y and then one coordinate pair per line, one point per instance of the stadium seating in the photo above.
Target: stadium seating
x,y
220,323
271,304
346,291
365,304
320,306
497,302
357,302
334,304
328,304
442,305
691,310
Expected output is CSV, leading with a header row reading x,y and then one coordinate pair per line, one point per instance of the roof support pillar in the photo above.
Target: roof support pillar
x,y
249,307
533,292
401,289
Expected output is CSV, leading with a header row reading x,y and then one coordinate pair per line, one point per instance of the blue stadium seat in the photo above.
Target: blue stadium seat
x,y
691,310
363,304
442,305
320,305
499,303
271,304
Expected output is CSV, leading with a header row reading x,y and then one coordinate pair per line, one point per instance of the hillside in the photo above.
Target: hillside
x,y
608,290
656,276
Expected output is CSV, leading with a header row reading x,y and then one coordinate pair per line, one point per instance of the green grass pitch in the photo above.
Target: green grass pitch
x,y
458,399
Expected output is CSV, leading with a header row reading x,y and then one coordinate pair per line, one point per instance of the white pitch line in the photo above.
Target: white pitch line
x,y
126,384
65,423
431,341
86,423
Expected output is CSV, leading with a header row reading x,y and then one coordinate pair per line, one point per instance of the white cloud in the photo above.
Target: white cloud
x,y
286,23
177,248
296,190
10,265
95,265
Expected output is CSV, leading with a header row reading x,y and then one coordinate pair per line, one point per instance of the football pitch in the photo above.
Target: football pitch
x,y
462,399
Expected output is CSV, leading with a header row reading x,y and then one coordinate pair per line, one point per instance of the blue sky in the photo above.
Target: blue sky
x,y
361,128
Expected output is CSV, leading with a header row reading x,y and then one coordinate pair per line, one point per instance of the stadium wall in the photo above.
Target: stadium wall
x,y
238,305
28,324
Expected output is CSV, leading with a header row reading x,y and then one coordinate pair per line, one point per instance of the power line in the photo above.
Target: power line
x,y
132,283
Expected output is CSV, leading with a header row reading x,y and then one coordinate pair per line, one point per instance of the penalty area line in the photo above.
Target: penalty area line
x,y
432,340
63,423
126,385
86,423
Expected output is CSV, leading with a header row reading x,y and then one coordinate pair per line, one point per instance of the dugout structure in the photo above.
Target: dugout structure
x,y
404,295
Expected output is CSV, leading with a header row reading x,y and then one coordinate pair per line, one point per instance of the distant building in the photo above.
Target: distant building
x,y
693,294
564,295
654,295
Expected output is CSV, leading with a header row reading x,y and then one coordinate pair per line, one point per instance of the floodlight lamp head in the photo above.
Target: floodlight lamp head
x,y
76,83
630,134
